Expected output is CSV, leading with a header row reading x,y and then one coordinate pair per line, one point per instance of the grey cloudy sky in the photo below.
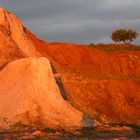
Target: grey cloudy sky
x,y
78,21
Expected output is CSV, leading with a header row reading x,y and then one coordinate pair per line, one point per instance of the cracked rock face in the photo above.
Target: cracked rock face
x,y
29,96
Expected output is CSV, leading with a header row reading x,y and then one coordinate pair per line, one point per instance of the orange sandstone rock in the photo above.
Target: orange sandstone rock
x,y
14,41
29,96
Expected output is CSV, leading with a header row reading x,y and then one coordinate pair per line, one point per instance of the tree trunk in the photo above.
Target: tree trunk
x,y
127,42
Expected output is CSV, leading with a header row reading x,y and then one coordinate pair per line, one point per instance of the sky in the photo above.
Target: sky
x,y
76,21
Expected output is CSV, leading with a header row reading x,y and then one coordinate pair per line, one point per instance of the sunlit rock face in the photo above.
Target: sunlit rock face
x,y
14,41
29,96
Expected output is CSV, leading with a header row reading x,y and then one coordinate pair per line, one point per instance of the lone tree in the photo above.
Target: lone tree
x,y
125,35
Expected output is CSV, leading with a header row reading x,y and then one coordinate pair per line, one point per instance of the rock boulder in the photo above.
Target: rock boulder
x,y
29,96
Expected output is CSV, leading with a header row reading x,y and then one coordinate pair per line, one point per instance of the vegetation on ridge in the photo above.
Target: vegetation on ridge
x,y
124,35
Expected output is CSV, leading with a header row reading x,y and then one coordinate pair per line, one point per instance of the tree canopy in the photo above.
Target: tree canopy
x,y
125,35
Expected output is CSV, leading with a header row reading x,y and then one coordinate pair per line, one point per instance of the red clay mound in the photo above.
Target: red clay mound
x,y
91,61
103,82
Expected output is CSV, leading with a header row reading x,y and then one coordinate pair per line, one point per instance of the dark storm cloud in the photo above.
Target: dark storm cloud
x,y
80,21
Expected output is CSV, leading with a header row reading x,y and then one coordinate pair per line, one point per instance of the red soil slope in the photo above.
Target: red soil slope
x,y
103,83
